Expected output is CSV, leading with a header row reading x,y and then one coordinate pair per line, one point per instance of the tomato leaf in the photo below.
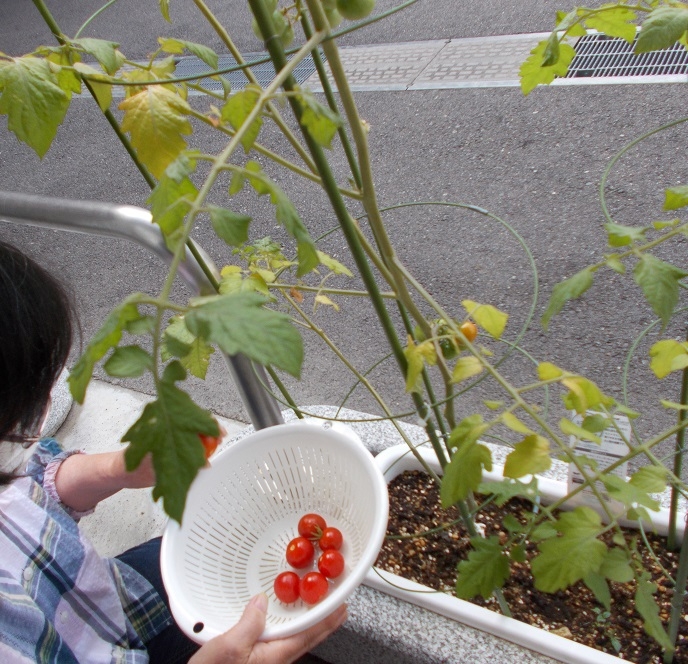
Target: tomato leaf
x,y
631,495
464,472
616,566
171,200
155,119
511,421
573,555
101,90
239,323
620,236
652,479
168,428
177,47
659,283
566,290
676,197
229,226
465,368
417,355
534,71
104,51
237,108
322,122
32,100
599,587
507,489
583,395
491,319
333,264
529,457
549,371
668,355
571,429
128,362
648,609
662,28
614,21
485,570
107,337
287,215
193,352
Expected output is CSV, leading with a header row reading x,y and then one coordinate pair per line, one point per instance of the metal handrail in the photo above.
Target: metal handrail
x,y
135,224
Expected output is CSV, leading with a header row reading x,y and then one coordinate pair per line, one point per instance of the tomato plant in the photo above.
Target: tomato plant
x,y
286,587
331,563
300,552
311,526
313,587
331,538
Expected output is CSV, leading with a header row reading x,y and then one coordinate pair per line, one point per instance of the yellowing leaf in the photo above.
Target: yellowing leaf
x,y
466,367
333,265
155,119
668,355
101,89
548,371
32,100
571,429
534,72
584,395
510,420
491,319
417,356
323,299
529,457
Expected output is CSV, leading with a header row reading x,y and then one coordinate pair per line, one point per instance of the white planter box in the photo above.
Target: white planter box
x,y
395,460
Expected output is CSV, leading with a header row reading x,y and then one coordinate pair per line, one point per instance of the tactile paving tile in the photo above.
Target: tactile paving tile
x,y
477,60
385,66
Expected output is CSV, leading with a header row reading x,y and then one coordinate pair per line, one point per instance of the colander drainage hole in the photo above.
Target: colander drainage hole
x,y
198,627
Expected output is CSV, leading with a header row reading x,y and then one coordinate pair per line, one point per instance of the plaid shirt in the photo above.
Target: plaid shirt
x,y
59,600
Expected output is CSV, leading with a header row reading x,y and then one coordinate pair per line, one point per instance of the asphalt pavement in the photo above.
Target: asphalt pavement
x,y
533,161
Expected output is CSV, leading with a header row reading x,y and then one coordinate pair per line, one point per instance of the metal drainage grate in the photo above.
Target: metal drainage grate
x,y
264,72
602,56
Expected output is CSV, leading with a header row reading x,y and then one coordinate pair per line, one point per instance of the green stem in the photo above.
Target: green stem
x,y
678,595
229,43
678,462
283,390
93,16
618,155
332,103
278,159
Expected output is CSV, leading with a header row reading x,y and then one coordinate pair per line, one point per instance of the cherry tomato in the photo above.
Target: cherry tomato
x,y
300,552
210,443
313,587
469,330
287,587
331,563
311,526
331,538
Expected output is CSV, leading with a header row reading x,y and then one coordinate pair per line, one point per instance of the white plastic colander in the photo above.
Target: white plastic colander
x,y
242,511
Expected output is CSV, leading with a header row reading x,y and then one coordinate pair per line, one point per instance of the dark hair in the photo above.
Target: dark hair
x,y
35,338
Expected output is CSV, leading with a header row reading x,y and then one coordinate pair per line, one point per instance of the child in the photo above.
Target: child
x,y
59,600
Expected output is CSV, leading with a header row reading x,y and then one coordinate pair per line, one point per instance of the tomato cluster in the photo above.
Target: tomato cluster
x,y
300,554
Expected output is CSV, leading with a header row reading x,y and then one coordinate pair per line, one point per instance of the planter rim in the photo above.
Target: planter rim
x,y
397,459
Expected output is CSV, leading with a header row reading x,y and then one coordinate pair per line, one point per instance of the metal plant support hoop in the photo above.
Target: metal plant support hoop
x,y
135,224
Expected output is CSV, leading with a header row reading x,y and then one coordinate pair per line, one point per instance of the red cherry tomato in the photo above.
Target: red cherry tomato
x,y
313,587
287,587
210,443
311,526
331,538
300,552
331,563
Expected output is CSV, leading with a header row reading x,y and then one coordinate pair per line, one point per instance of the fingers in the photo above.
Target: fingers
x,y
287,650
240,644
236,645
